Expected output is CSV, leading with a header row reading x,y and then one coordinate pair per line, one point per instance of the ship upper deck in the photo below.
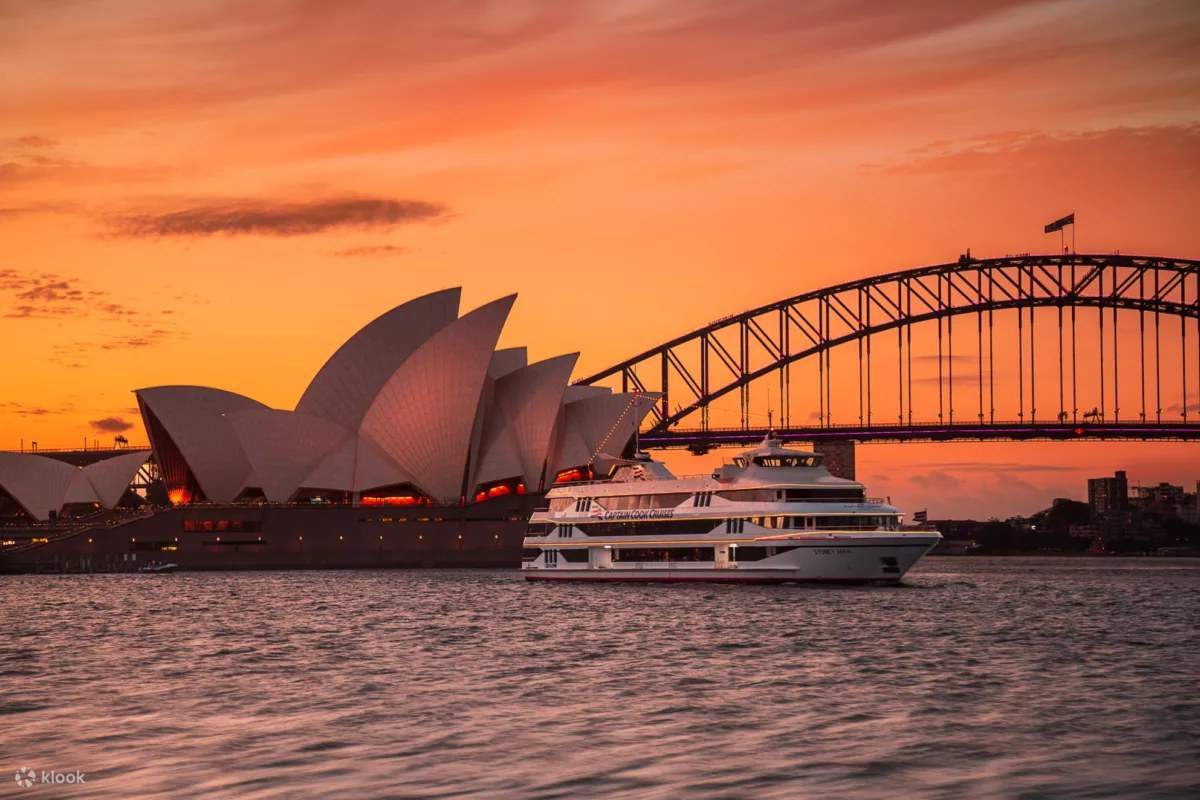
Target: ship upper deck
x,y
769,466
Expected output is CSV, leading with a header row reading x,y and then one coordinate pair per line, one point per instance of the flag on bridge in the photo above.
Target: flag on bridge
x,y
921,516
1059,224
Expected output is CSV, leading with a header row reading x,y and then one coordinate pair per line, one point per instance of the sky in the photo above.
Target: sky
x,y
220,193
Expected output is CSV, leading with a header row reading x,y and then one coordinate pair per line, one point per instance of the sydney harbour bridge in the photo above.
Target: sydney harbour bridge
x,y
1045,347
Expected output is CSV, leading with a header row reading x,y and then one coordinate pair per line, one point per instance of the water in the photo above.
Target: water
x,y
983,677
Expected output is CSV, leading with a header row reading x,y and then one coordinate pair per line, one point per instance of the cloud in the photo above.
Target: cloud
x,y
1002,466
45,296
370,250
133,342
23,410
35,141
935,479
27,167
49,296
959,379
110,425
1169,144
273,218
51,291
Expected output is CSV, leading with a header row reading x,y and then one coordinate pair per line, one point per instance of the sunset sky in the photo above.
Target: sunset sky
x,y
220,193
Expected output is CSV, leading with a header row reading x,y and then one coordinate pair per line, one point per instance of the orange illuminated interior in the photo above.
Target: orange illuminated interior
x,y
499,490
572,475
396,500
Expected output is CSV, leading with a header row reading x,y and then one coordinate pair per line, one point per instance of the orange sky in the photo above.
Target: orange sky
x,y
220,193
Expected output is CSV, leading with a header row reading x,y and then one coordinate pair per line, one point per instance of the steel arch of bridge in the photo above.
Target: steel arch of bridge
x,y
813,324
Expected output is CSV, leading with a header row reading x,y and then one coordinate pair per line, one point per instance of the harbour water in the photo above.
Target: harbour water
x,y
980,677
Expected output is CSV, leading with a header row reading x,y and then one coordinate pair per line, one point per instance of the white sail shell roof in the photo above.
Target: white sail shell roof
x,y
506,361
355,465
37,483
80,490
283,447
110,477
346,386
194,418
582,392
597,426
518,429
424,415
41,485
416,397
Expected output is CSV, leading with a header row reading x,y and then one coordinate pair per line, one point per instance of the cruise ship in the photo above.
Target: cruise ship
x,y
773,515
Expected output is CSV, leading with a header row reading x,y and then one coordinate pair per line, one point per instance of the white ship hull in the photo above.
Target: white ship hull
x,y
854,559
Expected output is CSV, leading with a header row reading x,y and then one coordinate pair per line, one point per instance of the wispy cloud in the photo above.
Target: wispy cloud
x,y
276,218
1002,466
35,141
47,296
1168,143
23,410
110,425
371,251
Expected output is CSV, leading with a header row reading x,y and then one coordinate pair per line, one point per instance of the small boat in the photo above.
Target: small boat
x,y
774,515
156,568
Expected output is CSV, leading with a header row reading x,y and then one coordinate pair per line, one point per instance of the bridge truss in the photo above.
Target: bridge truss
x,y
1127,326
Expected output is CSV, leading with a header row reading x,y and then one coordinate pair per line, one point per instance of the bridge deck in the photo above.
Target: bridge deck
x,y
1012,430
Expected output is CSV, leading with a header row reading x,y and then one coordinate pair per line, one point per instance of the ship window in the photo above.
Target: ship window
x,y
540,529
573,556
847,522
663,554
815,495
810,460
850,494
649,528
551,558
629,501
756,552
747,553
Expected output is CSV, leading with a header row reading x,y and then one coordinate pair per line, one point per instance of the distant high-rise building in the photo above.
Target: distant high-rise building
x,y
1106,495
1163,496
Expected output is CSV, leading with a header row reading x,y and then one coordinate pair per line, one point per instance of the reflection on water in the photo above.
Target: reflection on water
x,y
989,677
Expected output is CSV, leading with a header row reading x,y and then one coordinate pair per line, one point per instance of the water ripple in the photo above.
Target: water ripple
x,y
980,677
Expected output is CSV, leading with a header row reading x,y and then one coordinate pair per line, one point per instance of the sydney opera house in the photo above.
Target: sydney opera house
x,y
418,443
